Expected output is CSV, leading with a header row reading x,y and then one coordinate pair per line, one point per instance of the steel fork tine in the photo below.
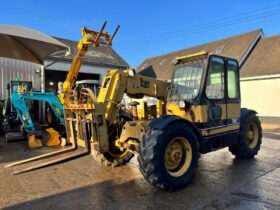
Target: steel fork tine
x,y
41,157
63,159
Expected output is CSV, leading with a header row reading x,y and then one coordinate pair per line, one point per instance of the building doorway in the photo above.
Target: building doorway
x,y
53,77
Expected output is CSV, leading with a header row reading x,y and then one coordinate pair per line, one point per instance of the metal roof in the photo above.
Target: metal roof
x,y
237,47
26,44
100,56
264,59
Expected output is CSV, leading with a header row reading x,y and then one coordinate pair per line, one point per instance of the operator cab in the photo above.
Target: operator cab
x,y
206,91
94,85
16,86
19,86
11,119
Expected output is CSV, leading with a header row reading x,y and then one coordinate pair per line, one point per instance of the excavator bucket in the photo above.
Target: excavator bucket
x,y
74,146
34,142
54,139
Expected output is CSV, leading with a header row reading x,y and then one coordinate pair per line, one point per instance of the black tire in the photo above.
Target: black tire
x,y
115,157
242,149
152,151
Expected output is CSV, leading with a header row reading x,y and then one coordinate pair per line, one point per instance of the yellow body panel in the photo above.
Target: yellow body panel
x,y
159,108
196,114
142,110
218,130
118,82
133,130
233,110
199,114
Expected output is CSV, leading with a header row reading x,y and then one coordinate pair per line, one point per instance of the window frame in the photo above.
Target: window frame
x,y
237,81
204,64
207,77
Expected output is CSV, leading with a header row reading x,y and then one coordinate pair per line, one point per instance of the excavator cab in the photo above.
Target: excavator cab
x,y
19,86
11,118
94,85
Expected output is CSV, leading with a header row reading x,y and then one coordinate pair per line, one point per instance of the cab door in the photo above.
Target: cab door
x,y
222,96
215,96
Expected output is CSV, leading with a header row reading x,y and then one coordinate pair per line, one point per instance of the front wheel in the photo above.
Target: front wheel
x,y
168,158
115,157
250,138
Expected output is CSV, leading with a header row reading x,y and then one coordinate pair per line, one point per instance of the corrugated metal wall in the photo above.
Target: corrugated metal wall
x,y
10,69
85,68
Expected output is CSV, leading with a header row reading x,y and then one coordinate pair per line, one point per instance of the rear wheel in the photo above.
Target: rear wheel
x,y
250,138
168,158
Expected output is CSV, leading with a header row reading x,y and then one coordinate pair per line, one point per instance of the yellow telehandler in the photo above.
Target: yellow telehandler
x,y
201,113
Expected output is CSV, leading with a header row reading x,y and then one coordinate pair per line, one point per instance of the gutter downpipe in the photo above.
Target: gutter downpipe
x,y
42,103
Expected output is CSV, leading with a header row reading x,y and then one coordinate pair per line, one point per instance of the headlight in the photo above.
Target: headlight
x,y
182,104
131,72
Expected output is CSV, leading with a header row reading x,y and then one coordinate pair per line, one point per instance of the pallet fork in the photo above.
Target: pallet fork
x,y
73,147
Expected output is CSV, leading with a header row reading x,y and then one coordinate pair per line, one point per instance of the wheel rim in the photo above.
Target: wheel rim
x,y
178,157
252,135
114,151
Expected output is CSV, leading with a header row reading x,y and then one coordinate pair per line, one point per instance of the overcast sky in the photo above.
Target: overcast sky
x,y
148,28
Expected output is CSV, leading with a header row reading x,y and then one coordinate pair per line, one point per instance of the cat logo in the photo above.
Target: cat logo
x,y
144,83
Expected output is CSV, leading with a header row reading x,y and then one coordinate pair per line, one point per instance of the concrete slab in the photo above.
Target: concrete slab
x,y
220,182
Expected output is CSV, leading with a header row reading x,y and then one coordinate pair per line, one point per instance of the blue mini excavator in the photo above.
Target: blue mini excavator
x,y
20,91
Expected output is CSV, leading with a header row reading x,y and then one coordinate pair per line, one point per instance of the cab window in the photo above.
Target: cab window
x,y
215,80
232,80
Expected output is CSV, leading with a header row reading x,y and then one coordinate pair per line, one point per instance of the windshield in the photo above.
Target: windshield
x,y
186,81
